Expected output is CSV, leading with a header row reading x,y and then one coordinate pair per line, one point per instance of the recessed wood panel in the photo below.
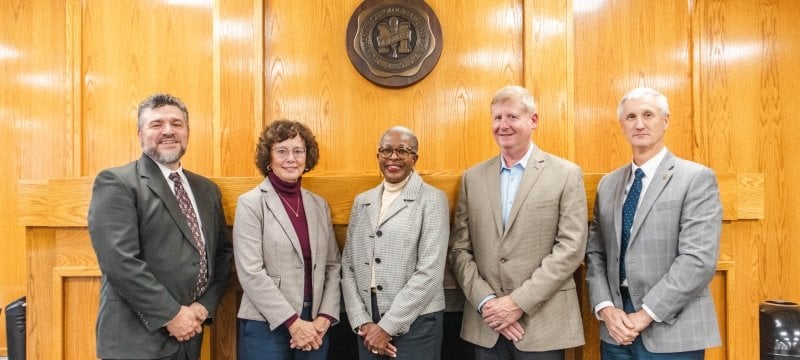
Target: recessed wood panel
x,y
309,78
130,50
621,45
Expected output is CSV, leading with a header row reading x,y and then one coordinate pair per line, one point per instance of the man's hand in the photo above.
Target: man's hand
x,y
619,325
513,332
304,336
185,325
641,320
499,313
200,311
377,340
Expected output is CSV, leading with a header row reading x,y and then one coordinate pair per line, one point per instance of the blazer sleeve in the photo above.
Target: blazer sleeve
x,y
698,249
461,257
596,256
426,280
223,256
331,296
250,267
113,228
357,312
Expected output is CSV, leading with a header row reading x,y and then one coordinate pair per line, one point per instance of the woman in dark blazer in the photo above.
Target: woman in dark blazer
x,y
287,259
393,262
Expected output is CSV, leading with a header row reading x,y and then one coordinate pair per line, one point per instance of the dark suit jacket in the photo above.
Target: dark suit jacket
x,y
671,257
148,260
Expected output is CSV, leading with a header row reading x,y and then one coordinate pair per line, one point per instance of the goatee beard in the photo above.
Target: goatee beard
x,y
166,158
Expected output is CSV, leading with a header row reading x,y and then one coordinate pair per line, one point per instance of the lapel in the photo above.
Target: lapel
x,y
619,199
154,179
533,169
657,184
408,194
492,176
274,204
203,199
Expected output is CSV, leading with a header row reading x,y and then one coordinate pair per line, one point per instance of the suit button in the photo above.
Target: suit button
x,y
379,287
379,233
377,260
503,260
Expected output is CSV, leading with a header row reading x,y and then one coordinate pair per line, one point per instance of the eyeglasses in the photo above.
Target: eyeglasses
x,y
283,153
402,153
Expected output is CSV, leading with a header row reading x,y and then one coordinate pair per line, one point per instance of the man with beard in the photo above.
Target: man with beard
x,y
162,244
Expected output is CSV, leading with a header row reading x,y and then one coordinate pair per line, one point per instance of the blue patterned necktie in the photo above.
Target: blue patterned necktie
x,y
628,213
191,219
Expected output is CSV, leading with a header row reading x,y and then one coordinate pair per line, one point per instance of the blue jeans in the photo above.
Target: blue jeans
x,y
257,341
637,351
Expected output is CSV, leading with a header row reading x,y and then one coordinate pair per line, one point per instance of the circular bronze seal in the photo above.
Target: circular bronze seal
x,y
394,43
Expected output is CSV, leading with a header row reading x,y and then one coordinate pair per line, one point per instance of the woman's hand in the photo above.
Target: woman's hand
x,y
304,336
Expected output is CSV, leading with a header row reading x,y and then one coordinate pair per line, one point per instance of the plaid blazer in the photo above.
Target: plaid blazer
x,y
408,249
672,254
269,261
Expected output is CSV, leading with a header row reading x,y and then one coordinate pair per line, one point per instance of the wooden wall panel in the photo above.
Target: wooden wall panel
x,y
238,95
74,71
131,49
620,45
309,78
745,118
34,139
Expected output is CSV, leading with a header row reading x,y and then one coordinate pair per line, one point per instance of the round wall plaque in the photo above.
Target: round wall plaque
x,y
394,43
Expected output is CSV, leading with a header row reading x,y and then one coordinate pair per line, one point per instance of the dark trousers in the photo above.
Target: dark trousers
x,y
637,350
181,354
257,341
423,340
504,349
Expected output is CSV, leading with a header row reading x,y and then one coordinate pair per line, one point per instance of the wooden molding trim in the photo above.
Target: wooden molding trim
x,y
65,202
59,274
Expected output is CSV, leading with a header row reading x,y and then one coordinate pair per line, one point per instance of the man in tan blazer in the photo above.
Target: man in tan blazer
x,y
518,235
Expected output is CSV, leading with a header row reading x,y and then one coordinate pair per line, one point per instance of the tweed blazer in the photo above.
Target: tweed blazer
x,y
532,258
408,249
148,259
269,260
671,257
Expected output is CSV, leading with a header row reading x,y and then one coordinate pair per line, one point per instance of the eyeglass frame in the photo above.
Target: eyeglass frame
x,y
283,153
409,152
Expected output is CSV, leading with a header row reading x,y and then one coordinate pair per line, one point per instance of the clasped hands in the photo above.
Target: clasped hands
x,y
624,328
307,335
502,315
377,340
188,322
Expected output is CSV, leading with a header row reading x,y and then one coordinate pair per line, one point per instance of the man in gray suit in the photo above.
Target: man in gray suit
x,y
653,244
518,236
162,244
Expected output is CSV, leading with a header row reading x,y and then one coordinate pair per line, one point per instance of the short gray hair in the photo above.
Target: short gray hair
x,y
402,130
156,101
641,92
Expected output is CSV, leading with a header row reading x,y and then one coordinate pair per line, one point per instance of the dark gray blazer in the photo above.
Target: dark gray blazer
x,y
148,260
671,257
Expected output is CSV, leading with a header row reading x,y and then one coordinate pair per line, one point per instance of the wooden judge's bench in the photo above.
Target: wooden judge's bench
x,y
64,280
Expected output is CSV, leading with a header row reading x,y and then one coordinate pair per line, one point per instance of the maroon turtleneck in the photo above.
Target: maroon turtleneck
x,y
292,200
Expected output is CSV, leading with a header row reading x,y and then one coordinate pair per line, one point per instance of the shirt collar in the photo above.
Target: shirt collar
x,y
522,162
650,166
166,171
